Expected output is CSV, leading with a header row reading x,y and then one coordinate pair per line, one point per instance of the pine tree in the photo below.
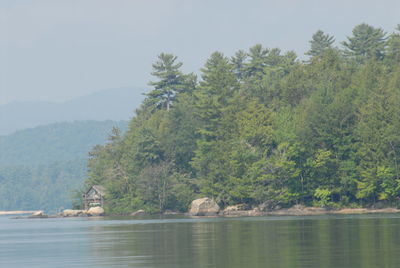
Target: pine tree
x,y
216,113
215,92
378,145
366,43
239,62
257,61
320,42
171,82
393,49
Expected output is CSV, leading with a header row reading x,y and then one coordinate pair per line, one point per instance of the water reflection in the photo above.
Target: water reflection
x,y
322,242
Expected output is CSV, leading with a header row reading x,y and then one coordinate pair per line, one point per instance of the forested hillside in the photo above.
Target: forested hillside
x,y
263,127
54,142
47,187
40,167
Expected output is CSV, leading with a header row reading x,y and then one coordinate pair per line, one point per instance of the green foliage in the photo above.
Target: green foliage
x,y
262,127
393,46
276,176
47,187
323,196
366,43
171,82
320,43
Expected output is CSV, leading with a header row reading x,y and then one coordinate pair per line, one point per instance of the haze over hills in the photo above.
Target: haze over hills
x,y
42,166
55,142
110,104
44,145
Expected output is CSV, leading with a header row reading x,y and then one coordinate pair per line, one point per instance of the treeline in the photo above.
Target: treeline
x,y
263,127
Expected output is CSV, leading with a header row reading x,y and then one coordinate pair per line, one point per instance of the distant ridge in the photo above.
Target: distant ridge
x,y
62,141
111,104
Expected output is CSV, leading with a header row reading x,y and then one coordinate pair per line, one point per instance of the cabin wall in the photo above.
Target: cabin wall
x,y
92,196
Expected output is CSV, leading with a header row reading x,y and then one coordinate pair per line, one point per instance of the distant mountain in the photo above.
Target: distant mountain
x,y
111,104
55,142
40,167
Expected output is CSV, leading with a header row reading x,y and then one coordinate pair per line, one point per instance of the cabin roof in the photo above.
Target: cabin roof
x,y
98,188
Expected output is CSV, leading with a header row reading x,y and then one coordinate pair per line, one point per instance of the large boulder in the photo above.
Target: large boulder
x,y
72,213
39,214
95,211
204,207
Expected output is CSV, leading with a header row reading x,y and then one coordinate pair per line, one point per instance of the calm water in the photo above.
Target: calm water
x,y
324,241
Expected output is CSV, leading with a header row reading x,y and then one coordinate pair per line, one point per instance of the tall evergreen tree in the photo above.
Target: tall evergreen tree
x,y
216,113
257,61
393,48
215,92
239,62
171,81
319,43
378,146
366,43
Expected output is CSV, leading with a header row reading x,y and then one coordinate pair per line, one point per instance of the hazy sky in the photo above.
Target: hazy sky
x,y
57,49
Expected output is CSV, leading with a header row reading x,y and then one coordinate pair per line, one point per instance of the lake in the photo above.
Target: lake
x,y
311,241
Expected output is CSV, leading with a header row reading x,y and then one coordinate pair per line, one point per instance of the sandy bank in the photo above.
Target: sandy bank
x,y
16,212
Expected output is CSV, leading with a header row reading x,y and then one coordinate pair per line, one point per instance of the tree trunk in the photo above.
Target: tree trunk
x,y
168,100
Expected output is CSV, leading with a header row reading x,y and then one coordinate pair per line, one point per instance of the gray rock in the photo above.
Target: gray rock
x,y
379,205
204,207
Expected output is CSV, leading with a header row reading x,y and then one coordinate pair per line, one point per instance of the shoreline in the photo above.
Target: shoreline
x,y
16,212
294,211
308,211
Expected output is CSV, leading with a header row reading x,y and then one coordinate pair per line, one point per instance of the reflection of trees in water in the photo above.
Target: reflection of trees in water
x,y
143,245
323,242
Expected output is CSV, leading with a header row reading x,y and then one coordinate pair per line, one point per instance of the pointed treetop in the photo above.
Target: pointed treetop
x,y
170,81
218,72
320,42
366,43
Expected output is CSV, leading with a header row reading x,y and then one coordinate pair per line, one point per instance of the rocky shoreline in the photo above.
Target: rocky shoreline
x,y
93,211
306,211
206,207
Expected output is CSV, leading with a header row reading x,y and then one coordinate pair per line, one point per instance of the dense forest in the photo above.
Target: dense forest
x,y
48,187
264,127
40,168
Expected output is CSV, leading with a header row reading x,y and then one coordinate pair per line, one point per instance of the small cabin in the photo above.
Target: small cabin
x,y
94,197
